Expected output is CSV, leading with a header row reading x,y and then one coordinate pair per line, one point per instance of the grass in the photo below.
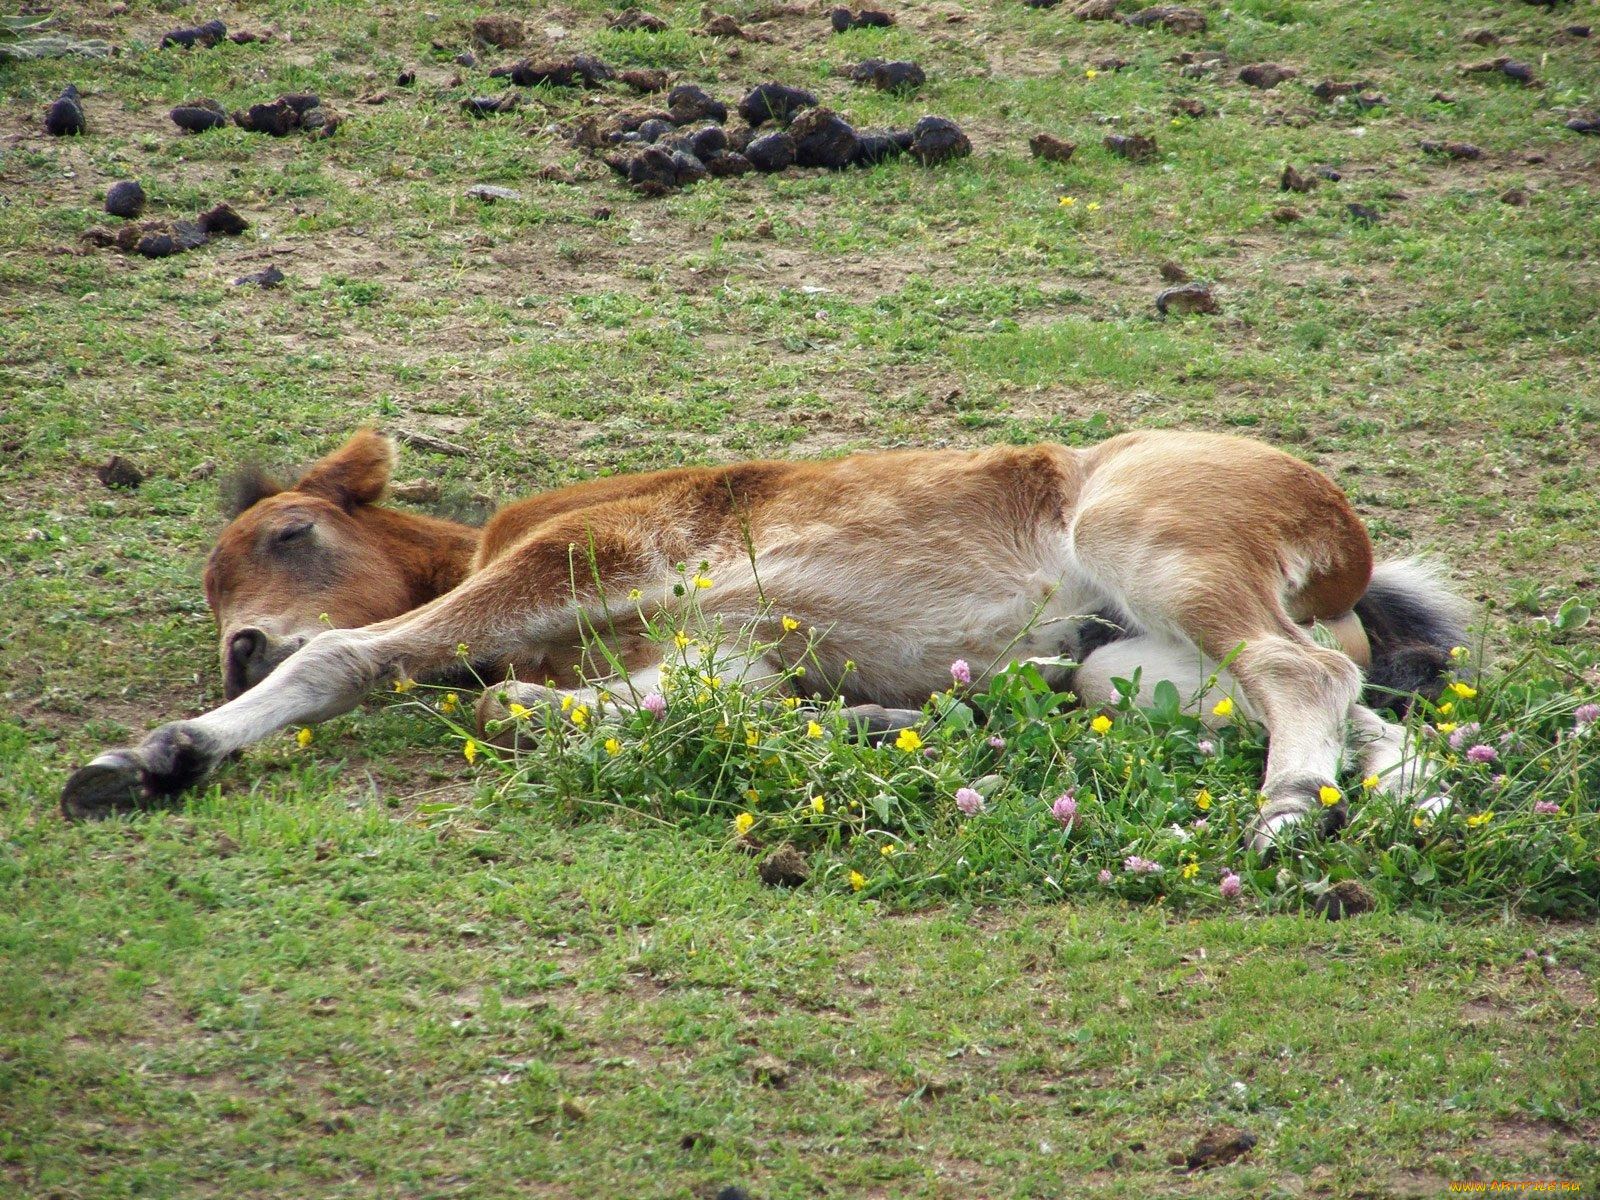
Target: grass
x,y
365,968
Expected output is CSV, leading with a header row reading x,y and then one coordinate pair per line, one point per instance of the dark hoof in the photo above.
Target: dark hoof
x,y
171,759
112,783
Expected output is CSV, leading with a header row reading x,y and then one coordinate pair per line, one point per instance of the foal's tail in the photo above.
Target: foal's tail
x,y
1412,620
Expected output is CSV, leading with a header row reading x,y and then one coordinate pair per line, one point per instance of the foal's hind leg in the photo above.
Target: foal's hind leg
x,y
531,597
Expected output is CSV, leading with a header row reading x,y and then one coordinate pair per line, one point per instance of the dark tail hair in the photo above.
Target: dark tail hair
x,y
1413,620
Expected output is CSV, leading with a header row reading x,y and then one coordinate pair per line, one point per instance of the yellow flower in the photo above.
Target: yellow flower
x,y
790,624
635,595
813,730
1370,782
1328,795
751,737
800,672
470,751
450,703
1101,724
404,685
1446,708
1090,73
887,849
752,795
1093,206
857,881
819,805
1176,122
909,741
1420,820
1202,800
1480,819
1067,201
579,715
613,747
701,582
1459,652
1191,869
743,822
461,650
1223,707
680,640
1446,727
303,738
518,711
566,704
791,701
1462,691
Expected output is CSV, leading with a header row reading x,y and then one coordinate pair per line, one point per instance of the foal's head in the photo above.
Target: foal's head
x,y
321,553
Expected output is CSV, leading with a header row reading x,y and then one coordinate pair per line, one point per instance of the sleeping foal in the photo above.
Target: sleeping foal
x,y
1190,547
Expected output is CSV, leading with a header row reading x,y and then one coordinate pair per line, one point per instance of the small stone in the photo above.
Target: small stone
x,y
1363,214
1578,31
1327,172
1173,273
1370,100
784,867
405,79
1266,76
118,472
489,193
221,220
1520,71
574,1110
1188,107
1051,148
1186,298
654,129
1584,125
268,277
500,30
466,59
1481,37
197,116
64,118
732,1193
125,199
1219,1146
1286,215
1135,147
774,102
1516,197
1442,98
771,152
1347,898
936,140
706,142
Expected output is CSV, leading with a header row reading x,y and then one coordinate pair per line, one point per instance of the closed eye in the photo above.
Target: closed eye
x,y
290,533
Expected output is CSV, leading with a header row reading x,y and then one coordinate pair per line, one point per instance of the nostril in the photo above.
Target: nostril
x,y
246,645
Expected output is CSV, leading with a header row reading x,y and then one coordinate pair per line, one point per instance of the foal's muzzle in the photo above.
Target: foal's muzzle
x,y
250,656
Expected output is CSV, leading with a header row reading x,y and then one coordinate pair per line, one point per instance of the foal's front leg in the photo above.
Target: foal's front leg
x,y
525,599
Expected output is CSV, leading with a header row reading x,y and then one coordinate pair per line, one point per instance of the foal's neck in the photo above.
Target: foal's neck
x,y
435,554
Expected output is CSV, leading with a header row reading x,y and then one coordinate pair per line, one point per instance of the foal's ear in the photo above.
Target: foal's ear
x,y
247,487
354,474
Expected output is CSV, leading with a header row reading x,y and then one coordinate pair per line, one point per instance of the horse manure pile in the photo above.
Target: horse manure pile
x,y
303,111
164,238
780,127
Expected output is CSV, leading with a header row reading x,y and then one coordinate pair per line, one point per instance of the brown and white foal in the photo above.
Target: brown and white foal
x,y
1197,547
